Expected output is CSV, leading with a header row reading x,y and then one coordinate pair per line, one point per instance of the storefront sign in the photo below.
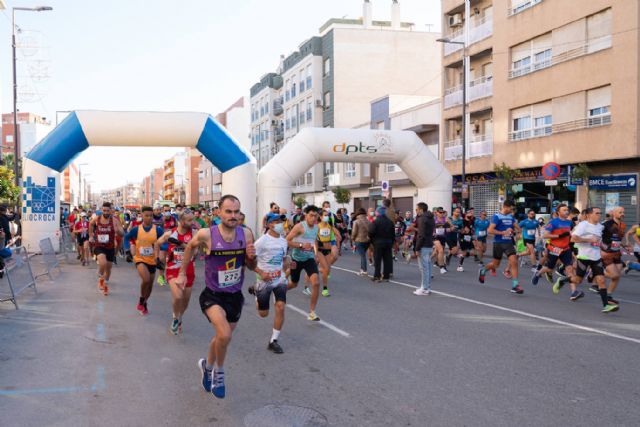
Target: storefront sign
x,y
526,175
613,182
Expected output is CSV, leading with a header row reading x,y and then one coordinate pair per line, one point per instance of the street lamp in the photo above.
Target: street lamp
x,y
80,182
16,144
464,113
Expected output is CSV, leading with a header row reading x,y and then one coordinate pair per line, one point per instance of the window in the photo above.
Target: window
x,y
329,168
349,170
309,180
261,111
391,168
521,128
326,67
266,108
294,121
327,100
216,188
9,138
542,59
309,76
542,126
293,90
521,63
309,110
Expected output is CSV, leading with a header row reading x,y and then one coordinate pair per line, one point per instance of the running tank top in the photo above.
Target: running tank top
x,y
224,265
159,221
440,230
105,234
325,233
144,245
175,254
309,236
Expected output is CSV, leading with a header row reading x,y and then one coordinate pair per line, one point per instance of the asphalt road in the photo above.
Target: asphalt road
x,y
468,355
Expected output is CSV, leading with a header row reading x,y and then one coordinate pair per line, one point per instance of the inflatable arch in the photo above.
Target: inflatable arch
x,y
83,129
312,145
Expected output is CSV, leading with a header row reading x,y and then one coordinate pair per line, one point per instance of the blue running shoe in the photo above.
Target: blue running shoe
x,y
535,278
206,375
218,388
175,323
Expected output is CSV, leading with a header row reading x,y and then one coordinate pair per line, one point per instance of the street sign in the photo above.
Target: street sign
x,y
551,182
384,185
551,170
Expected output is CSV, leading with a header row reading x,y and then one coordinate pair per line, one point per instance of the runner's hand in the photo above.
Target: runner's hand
x,y
159,264
307,246
129,257
251,251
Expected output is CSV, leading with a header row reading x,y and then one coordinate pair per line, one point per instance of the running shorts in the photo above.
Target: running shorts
x,y
150,268
466,246
584,264
531,242
109,253
172,273
609,258
482,239
452,240
500,249
565,257
310,266
324,252
230,302
442,240
81,240
263,295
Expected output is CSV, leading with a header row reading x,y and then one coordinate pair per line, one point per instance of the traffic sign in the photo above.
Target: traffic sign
x,y
551,182
551,170
385,185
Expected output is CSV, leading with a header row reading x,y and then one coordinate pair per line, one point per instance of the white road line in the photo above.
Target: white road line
x,y
322,322
519,312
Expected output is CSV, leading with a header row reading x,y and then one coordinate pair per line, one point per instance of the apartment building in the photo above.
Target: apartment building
x,y
128,195
32,128
548,81
173,177
330,80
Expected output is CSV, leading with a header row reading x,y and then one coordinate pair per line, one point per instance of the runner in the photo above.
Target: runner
x,y
558,231
614,231
146,255
81,232
409,233
453,234
466,239
271,251
302,239
630,265
102,233
502,227
587,236
440,232
328,239
169,223
400,229
177,238
480,226
529,228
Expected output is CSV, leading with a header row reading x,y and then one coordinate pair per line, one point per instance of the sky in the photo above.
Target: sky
x,y
160,55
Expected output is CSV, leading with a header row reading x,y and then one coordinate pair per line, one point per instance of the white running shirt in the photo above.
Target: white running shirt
x,y
270,253
585,230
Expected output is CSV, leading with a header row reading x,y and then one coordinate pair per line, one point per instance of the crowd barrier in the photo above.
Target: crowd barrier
x,y
19,275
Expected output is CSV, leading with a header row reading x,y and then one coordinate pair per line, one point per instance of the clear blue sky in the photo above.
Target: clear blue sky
x,y
187,55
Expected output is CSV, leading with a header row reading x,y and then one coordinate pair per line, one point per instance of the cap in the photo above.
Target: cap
x,y
275,217
83,214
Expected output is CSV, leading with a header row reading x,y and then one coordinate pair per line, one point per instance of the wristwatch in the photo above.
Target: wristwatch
x,y
301,245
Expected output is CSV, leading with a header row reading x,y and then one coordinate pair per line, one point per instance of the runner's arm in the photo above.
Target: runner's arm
x,y
118,226
629,233
295,232
202,237
251,259
91,230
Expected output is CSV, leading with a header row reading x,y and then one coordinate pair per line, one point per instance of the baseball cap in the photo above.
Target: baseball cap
x,y
83,214
275,217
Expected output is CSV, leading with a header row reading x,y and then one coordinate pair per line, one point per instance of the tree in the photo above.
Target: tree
x,y
299,201
505,176
582,171
9,192
7,161
342,195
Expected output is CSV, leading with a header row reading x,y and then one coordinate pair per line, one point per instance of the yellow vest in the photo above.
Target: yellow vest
x,y
144,245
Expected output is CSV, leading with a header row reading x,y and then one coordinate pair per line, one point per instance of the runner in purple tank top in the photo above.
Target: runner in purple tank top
x,y
229,250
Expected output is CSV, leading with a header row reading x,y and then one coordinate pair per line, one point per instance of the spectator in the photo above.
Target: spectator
x,y
360,236
424,246
381,234
298,216
4,223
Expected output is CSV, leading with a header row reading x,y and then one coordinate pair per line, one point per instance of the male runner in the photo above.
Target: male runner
x,y
453,233
102,233
503,226
529,228
81,232
302,239
635,233
271,251
481,225
229,249
614,231
144,237
466,239
177,239
170,222
587,236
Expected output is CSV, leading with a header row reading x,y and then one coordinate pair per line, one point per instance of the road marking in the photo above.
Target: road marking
x,y
100,307
519,312
100,333
322,322
99,385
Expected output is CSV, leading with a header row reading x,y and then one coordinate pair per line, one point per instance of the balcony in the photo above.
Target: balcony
x,y
277,108
518,6
481,29
478,146
278,135
478,88
584,123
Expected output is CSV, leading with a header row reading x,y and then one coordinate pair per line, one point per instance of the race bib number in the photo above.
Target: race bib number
x,y
555,250
230,277
615,245
146,251
178,256
439,231
482,233
467,238
531,232
103,238
273,275
325,232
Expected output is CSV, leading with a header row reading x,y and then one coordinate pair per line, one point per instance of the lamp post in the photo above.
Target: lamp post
x,y
80,182
16,142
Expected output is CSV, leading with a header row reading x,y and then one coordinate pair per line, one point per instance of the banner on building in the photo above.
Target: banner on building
x,y
613,182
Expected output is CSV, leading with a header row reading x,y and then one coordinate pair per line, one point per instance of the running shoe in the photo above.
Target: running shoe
x,y
274,347
395,257
362,273
101,284
325,292
517,290
576,295
376,280
609,308
443,270
460,268
161,280
217,387
493,273
535,278
306,291
611,300
105,289
421,292
313,317
626,268
140,308
507,274
407,257
206,375
549,277
594,289
179,326
175,323
558,285
252,289
481,274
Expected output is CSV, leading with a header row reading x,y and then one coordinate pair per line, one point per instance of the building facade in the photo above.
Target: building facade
x,y
174,178
31,130
548,81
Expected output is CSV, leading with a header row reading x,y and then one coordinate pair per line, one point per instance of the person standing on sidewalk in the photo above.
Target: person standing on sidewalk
x,y
360,236
424,246
382,234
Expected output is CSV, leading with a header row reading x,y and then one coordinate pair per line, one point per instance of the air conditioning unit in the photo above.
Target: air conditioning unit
x,y
318,103
455,20
274,122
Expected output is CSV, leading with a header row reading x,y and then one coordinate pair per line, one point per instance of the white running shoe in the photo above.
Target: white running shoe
x,y
443,270
421,292
460,268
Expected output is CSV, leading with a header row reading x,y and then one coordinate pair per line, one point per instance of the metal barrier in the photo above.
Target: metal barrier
x,y
49,258
19,275
67,244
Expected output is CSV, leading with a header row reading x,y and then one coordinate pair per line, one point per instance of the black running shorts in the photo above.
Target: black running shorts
x,y
109,253
264,295
310,266
500,249
565,257
230,302
584,264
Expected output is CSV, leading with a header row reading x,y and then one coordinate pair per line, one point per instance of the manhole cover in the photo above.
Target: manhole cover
x,y
285,416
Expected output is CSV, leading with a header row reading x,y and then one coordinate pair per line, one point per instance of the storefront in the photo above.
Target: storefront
x,y
609,191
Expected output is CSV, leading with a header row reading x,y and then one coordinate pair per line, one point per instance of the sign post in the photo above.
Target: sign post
x,y
386,189
550,171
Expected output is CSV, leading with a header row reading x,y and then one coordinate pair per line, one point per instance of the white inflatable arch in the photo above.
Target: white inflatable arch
x,y
83,129
313,145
